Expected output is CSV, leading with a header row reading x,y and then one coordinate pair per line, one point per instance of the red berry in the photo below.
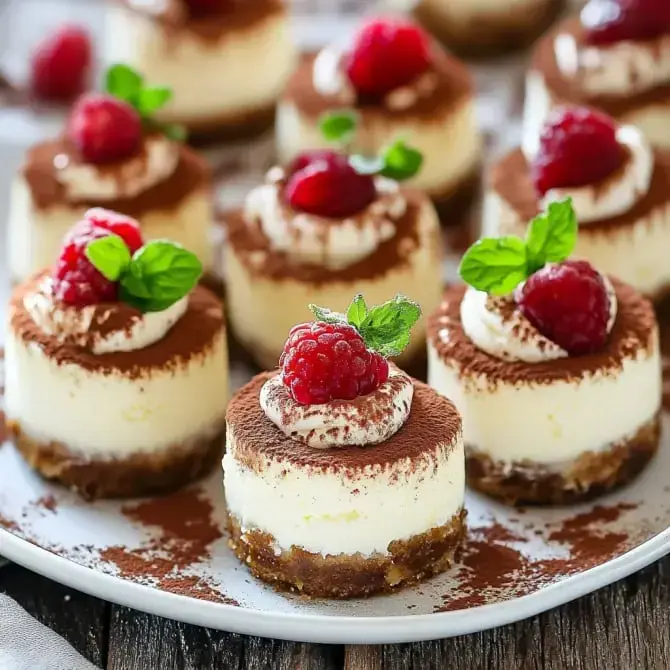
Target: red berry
x,y
386,54
306,158
329,186
199,8
76,280
578,146
610,21
105,129
126,228
323,362
61,64
568,304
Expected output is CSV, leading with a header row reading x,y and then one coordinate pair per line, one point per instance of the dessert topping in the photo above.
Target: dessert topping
x,y
611,21
199,8
387,54
568,307
61,64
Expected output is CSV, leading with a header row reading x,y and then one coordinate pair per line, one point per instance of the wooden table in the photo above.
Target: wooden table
x,y
622,627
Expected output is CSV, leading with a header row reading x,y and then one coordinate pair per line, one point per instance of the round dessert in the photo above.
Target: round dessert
x,y
616,57
620,189
227,61
343,476
112,153
484,28
401,85
116,376
554,367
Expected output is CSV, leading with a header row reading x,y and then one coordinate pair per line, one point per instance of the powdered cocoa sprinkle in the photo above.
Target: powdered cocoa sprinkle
x,y
47,502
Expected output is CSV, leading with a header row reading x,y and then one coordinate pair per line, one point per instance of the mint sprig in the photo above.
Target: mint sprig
x,y
499,265
384,328
397,161
124,83
153,278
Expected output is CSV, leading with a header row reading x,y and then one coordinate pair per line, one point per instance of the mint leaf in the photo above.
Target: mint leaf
x,y
357,311
326,315
173,131
159,274
366,164
401,161
151,99
495,265
339,126
386,328
109,255
552,236
123,82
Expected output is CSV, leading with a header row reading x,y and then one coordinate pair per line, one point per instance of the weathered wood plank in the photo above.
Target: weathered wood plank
x,y
80,619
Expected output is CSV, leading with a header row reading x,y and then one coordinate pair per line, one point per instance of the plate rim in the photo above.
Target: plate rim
x,y
322,628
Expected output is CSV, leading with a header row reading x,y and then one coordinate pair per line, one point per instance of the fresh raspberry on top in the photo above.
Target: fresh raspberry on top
x,y
306,158
568,304
327,185
578,146
323,362
104,129
611,21
61,64
387,54
124,226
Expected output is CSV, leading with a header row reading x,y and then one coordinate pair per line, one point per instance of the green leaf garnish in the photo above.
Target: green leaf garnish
x,y
109,255
339,127
401,161
384,328
499,265
149,100
173,131
366,164
154,278
123,82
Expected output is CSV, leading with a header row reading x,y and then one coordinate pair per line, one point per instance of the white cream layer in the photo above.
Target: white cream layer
x,y
244,71
551,424
327,513
109,415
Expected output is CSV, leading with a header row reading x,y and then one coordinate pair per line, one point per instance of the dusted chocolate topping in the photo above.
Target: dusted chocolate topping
x,y
39,170
191,336
510,179
566,90
254,250
433,426
235,16
635,330
452,85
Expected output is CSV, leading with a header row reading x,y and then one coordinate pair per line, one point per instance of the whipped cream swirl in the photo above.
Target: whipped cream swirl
x,y
496,325
363,421
307,238
621,69
157,161
617,193
103,328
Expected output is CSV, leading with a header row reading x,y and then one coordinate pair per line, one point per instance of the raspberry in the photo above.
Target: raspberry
x,y
578,146
386,54
568,304
60,66
104,129
126,228
610,21
323,362
206,7
328,186
76,281
301,161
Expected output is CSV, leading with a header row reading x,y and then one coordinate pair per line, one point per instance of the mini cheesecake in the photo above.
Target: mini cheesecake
x,y
617,61
337,487
401,85
556,372
318,232
620,189
483,28
226,61
116,388
107,156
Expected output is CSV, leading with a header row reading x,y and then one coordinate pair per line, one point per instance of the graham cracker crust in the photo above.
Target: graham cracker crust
x,y
494,36
135,476
346,575
230,127
589,476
